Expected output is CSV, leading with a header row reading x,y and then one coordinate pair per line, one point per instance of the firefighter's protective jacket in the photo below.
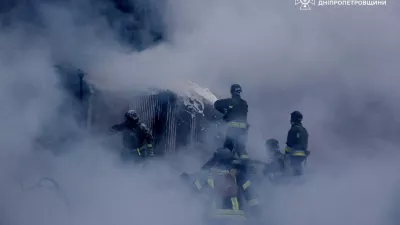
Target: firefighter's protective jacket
x,y
137,138
297,140
227,190
235,109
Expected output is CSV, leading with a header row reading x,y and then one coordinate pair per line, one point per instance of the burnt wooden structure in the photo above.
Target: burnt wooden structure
x,y
173,120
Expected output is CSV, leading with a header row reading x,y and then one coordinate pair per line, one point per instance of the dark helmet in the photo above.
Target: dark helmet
x,y
131,115
296,116
272,144
236,89
223,156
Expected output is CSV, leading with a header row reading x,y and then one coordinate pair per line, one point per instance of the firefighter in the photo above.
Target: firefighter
x,y
137,138
227,188
235,115
276,162
296,150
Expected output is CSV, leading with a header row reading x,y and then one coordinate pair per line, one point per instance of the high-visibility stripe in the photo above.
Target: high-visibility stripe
x,y
210,182
237,124
198,185
287,149
138,151
231,214
228,212
235,203
299,153
244,156
149,145
246,185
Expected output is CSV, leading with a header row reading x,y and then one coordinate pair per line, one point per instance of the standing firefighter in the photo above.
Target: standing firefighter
x,y
235,114
297,143
136,137
227,189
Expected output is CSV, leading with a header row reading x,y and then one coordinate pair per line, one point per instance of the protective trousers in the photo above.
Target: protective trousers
x,y
297,165
236,140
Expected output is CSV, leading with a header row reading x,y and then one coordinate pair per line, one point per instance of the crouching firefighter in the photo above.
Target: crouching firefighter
x,y
136,137
235,114
276,162
296,150
227,188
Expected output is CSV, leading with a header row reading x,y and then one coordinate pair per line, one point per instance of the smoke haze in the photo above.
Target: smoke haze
x,y
338,66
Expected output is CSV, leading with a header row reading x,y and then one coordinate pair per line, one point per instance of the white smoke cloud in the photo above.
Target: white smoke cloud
x,y
329,63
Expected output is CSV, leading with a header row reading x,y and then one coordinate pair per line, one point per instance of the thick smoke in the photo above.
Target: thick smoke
x,y
336,65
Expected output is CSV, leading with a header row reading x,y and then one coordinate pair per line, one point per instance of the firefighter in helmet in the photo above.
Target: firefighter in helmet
x,y
296,150
229,192
235,111
136,137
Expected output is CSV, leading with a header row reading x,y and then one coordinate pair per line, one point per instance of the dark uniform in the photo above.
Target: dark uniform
x,y
136,137
229,191
235,111
297,143
276,162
